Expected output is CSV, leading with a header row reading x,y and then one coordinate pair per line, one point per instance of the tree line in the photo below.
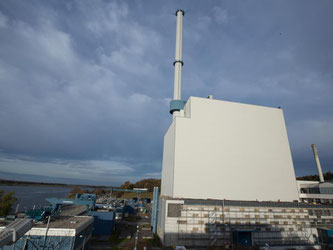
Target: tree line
x,y
327,176
145,183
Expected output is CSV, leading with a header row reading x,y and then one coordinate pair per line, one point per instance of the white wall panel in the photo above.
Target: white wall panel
x,y
226,150
168,160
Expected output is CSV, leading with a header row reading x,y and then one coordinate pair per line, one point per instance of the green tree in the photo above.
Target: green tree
x,y
127,185
327,176
148,183
6,202
99,192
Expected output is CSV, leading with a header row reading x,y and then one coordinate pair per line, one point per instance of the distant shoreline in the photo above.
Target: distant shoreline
x,y
31,183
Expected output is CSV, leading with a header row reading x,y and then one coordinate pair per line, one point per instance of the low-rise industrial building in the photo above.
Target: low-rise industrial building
x,y
64,233
315,192
320,192
207,223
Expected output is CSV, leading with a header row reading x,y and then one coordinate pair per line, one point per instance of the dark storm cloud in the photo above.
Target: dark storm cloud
x,y
85,85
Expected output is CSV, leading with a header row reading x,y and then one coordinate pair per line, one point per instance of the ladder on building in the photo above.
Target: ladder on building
x,y
213,230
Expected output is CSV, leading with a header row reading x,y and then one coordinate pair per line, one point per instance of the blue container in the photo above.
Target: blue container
x,y
104,222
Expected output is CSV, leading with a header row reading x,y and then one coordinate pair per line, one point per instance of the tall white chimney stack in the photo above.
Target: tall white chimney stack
x,y
315,154
178,63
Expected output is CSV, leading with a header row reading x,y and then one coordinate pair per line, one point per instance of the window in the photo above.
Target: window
x,y
174,210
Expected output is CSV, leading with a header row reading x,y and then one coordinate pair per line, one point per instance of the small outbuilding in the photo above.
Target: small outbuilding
x,y
104,222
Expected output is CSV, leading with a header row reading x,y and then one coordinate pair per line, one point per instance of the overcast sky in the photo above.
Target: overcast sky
x,y
85,85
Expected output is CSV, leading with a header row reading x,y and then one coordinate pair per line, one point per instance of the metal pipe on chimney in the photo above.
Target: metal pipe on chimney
x,y
315,154
178,59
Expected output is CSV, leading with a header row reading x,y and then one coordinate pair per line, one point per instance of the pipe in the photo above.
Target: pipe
x,y
178,63
315,154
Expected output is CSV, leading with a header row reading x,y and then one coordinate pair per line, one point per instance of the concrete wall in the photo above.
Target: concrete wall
x,y
226,150
169,160
161,218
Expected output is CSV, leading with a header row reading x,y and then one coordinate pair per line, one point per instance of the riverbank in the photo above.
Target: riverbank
x,y
30,183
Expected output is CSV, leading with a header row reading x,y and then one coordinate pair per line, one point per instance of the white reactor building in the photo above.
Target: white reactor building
x,y
228,150
225,150
228,178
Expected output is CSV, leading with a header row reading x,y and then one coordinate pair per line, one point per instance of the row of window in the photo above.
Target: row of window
x,y
317,190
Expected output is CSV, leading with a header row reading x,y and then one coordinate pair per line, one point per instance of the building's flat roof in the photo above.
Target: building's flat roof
x,y
306,182
317,185
232,102
68,222
68,226
64,226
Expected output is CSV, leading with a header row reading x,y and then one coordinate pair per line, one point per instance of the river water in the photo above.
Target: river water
x,y
29,196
